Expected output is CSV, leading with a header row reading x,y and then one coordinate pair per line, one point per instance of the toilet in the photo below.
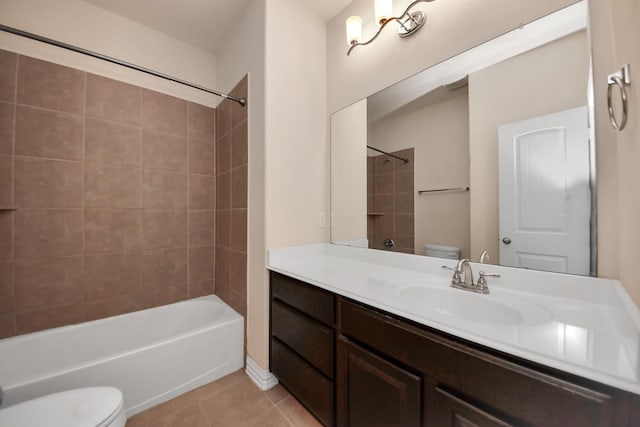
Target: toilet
x,y
441,251
82,407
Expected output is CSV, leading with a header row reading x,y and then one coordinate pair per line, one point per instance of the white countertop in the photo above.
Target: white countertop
x,y
582,325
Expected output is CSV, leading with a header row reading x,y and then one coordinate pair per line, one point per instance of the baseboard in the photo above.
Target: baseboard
x,y
262,378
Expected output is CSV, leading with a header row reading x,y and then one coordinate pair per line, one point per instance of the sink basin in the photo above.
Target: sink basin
x,y
496,307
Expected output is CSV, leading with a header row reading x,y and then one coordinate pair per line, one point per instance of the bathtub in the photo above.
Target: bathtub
x,y
151,355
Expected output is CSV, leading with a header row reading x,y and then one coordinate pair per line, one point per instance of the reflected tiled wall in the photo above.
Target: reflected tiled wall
x,y
231,202
390,201
114,188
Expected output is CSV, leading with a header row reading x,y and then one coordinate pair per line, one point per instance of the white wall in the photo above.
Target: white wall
x,y
349,173
439,134
452,27
84,25
615,34
542,81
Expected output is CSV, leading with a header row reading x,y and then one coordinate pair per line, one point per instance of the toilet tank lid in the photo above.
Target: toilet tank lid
x,y
442,248
82,407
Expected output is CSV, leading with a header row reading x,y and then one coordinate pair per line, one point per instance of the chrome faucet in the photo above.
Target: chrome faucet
x,y
463,278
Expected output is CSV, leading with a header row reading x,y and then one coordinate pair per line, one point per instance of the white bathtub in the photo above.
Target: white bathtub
x,y
151,355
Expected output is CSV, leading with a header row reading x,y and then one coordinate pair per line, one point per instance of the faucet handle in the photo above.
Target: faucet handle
x,y
482,281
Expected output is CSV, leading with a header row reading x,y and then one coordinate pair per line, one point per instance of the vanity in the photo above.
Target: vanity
x,y
364,338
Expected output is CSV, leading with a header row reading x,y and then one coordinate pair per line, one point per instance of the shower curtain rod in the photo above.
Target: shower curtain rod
x,y
6,29
388,154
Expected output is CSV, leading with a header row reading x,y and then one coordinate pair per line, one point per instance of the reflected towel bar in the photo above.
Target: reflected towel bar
x,y
445,190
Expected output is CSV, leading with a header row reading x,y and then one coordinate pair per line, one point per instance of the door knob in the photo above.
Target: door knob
x,y
506,241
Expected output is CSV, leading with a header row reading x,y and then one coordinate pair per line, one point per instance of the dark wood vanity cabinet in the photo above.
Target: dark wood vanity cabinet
x,y
303,343
388,371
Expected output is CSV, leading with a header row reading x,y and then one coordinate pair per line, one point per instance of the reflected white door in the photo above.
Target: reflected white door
x,y
545,200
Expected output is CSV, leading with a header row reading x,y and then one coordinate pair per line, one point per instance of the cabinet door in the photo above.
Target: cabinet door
x,y
446,409
373,392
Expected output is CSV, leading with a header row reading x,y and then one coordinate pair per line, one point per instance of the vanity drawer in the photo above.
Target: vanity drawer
x,y
311,300
307,337
306,383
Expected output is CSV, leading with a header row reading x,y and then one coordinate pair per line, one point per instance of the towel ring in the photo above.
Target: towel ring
x,y
621,80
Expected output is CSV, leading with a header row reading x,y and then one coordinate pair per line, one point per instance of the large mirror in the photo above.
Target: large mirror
x,y
488,155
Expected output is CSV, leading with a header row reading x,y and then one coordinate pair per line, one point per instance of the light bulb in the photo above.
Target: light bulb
x,y
383,10
354,29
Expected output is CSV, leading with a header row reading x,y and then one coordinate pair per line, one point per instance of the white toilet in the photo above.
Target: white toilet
x,y
82,407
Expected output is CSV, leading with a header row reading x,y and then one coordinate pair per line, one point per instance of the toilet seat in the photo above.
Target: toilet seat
x,y
83,407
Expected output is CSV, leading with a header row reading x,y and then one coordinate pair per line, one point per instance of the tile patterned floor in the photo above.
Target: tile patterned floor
x,y
229,402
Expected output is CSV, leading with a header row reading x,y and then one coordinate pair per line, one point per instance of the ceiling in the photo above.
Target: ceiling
x,y
201,23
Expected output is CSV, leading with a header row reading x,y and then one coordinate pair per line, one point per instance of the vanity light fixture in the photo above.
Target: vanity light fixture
x,y
408,23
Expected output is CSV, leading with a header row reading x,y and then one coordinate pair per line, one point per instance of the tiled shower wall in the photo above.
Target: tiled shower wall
x,y
390,201
113,187
231,202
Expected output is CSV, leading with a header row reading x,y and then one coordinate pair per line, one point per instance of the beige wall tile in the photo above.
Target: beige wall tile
x,y
223,191
383,183
42,183
382,165
238,273
223,118
164,190
201,228
164,151
383,203
50,317
8,63
221,269
48,282
112,143
403,182
239,146
239,178
155,297
6,180
48,233
108,275
403,203
164,113
238,112
201,121
7,294
200,289
223,228
121,304
111,186
45,133
112,230
200,263
223,154
404,225
112,100
6,236
7,325
48,85
238,229
7,113
201,192
201,156
164,268
164,228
